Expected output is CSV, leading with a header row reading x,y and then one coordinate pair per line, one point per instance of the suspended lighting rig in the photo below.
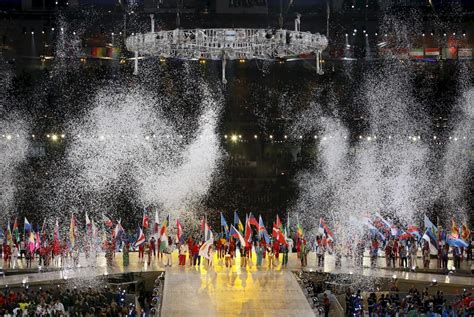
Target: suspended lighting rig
x,y
228,44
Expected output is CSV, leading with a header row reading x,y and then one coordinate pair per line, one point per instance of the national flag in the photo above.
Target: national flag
x,y
278,223
432,52
88,221
164,234
382,225
288,223
266,236
253,221
118,230
456,242
414,231
141,238
204,249
366,221
146,220
432,242
324,229
394,230
454,229
416,53
88,224
431,230
16,232
107,221
164,227
31,241
237,222
465,232
404,235
179,230
156,224
248,231
56,231
72,231
261,225
237,235
224,223
205,228
277,234
163,241
262,231
9,234
27,225
94,231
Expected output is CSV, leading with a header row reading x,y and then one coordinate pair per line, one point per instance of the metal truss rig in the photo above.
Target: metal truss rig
x,y
229,44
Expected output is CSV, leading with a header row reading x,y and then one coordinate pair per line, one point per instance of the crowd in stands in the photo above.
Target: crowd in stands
x,y
411,304
59,301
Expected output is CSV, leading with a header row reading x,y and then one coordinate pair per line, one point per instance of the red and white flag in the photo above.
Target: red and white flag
x,y
140,239
179,230
146,220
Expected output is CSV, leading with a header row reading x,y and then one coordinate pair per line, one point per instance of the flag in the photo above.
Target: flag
x,y
164,227
38,240
237,222
146,220
94,231
432,52
204,249
432,243
414,231
278,223
465,232
107,221
381,224
27,225
248,231
224,223
118,230
454,229
394,230
179,230
253,221
416,53
31,241
141,238
88,221
237,235
72,231
262,231
288,223
16,232
156,225
365,221
431,230
56,231
266,237
456,242
88,224
164,234
261,225
9,234
277,234
325,230
404,235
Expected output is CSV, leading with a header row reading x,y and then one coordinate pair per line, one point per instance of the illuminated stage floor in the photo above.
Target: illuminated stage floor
x,y
221,291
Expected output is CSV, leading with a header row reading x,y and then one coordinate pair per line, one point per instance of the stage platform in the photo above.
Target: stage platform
x,y
220,291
